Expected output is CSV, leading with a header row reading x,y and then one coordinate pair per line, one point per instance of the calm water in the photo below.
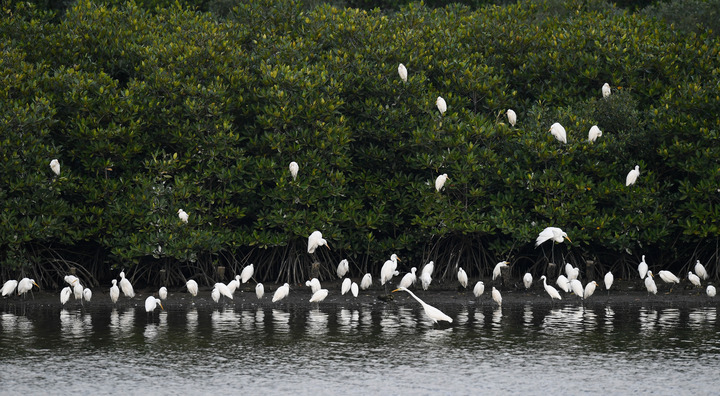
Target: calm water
x,y
369,350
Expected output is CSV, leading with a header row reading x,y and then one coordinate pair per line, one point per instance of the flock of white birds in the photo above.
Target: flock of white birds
x,y
568,283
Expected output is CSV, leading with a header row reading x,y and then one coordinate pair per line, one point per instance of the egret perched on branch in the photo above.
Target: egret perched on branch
x,y
441,105
294,168
650,283
402,71
594,133
366,281
343,268
388,269
409,278
632,176
126,286
114,291
479,289
606,90
247,273
259,290
182,215
440,181
700,270
9,287
496,296
315,240
432,312
151,303
55,166
426,274
551,233
319,295
558,131
551,291
192,287
511,116
642,268
281,292
462,277
497,271
527,280
694,279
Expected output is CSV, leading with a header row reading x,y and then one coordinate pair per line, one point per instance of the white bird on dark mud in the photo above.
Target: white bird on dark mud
x,y
281,292
462,277
408,279
342,268
479,289
642,268
551,291
527,280
126,286
650,283
426,275
700,270
366,282
259,290
319,295
192,287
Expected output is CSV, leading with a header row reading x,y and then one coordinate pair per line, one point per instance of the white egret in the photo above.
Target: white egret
x,y
700,270
259,290
388,269
126,286
162,293
551,291
247,273
632,176
462,277
55,166
479,289
426,275
609,279
87,294
606,90
563,283
313,284
215,294
234,284
346,283
182,215
224,290
192,287
710,290
642,268
319,295
441,105
65,295
577,288
594,133
555,234
512,117
668,277
114,291
650,283
9,287
354,289
558,131
151,303
497,271
527,280
294,168
70,279
315,240
432,312
496,296
694,279
281,292
572,272
440,181
589,289
78,291
343,268
366,281
25,285
409,279
402,71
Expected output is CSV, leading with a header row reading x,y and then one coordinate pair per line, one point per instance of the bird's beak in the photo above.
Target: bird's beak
x,y
651,274
73,282
161,307
394,290
399,259
36,285
568,238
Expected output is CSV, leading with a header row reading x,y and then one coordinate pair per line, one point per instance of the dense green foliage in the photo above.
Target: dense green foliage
x,y
150,112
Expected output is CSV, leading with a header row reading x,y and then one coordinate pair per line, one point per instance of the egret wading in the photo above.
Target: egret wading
x,y
551,291
432,312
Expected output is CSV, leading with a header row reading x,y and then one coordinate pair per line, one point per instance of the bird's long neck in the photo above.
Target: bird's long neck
x,y
415,297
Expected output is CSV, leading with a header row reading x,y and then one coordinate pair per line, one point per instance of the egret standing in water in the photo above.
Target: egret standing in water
x,y
281,292
87,294
9,287
345,287
479,289
192,287
589,289
551,291
25,285
151,303
462,278
609,279
432,312
710,290
426,275
354,289
342,268
259,290
126,286
65,294
496,296
162,293
114,291
650,283
315,240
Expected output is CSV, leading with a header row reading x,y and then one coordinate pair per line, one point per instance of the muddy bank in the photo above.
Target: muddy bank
x,y
623,293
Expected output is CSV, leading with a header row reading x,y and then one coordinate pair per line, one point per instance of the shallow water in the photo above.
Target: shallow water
x,y
368,350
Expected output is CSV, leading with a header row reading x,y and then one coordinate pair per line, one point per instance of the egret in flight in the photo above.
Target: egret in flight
x,y
432,312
